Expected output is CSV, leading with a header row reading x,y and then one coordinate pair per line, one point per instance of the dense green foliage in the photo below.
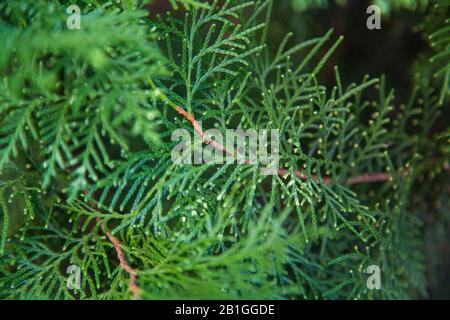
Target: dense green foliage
x,y
85,126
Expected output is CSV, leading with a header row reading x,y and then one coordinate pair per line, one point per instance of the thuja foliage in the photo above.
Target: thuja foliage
x,y
86,118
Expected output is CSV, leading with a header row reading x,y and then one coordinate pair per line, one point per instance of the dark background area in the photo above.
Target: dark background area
x,y
390,51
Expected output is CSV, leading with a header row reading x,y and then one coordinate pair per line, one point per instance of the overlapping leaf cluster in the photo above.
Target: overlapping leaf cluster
x,y
85,140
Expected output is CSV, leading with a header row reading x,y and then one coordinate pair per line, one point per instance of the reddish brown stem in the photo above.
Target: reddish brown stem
x,y
198,128
123,262
365,178
120,255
